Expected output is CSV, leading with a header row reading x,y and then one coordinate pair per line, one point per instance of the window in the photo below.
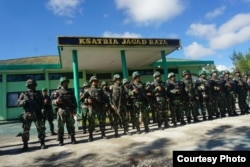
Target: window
x,y
103,76
1,79
174,70
12,99
24,77
57,76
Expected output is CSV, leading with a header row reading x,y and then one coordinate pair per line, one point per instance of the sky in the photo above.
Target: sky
x,y
207,29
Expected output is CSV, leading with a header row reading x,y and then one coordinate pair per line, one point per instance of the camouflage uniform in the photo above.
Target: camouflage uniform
x,y
65,101
32,103
47,111
160,100
129,103
176,93
201,86
84,107
118,103
140,101
94,99
241,88
216,94
106,100
228,86
191,102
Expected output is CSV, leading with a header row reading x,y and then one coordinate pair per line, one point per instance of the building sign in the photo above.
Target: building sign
x,y
95,41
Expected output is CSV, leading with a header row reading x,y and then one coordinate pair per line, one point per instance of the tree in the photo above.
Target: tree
x,y
241,61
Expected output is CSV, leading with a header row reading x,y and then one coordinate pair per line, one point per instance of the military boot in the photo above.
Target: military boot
x,y
43,146
61,141
166,125
90,136
25,146
146,129
73,139
84,130
138,131
183,122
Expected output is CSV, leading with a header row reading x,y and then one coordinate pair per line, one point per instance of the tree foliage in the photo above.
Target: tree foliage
x,y
241,61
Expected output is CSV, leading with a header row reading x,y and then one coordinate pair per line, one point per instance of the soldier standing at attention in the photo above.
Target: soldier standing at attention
x,y
118,103
140,101
129,102
48,110
217,100
191,102
65,101
84,107
241,92
32,103
201,85
160,95
94,99
229,93
176,93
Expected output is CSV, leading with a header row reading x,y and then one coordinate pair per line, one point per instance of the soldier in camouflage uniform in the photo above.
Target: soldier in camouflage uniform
x,y
94,99
228,86
106,100
151,105
176,93
161,100
84,107
201,86
47,110
65,101
129,102
241,88
32,103
140,101
191,102
118,103
216,95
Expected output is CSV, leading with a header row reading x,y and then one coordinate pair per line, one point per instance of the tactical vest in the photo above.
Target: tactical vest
x,y
96,95
67,97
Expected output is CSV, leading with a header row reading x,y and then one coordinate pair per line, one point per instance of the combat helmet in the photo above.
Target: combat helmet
x,y
156,74
185,72
125,80
213,71
224,72
171,75
63,79
116,76
202,72
93,78
135,74
85,84
31,82
104,83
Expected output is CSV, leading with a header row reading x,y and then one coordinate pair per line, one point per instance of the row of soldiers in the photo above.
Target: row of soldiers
x,y
125,102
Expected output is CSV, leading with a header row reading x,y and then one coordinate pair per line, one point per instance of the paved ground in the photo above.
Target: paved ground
x,y
155,148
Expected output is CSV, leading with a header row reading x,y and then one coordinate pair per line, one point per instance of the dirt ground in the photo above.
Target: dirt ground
x,y
147,149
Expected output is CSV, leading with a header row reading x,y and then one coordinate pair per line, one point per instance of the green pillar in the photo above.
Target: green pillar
x,y
124,64
164,64
76,79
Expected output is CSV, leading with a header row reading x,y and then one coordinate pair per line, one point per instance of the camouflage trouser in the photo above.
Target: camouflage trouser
x,y
218,105
230,103
122,116
27,118
101,116
191,109
177,111
242,99
161,112
139,107
48,115
90,115
65,116
84,118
